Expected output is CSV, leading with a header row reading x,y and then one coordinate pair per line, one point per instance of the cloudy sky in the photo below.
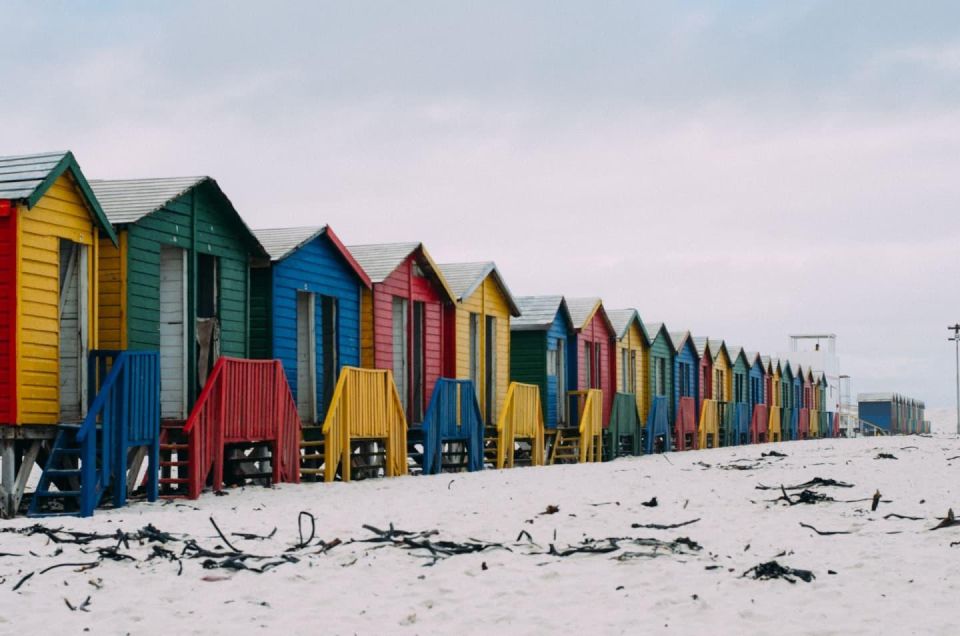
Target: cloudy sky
x,y
741,169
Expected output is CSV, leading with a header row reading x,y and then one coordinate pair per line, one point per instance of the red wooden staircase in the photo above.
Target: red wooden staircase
x,y
245,419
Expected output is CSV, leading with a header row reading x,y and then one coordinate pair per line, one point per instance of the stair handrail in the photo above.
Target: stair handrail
x,y
591,427
709,422
204,440
521,417
453,402
365,404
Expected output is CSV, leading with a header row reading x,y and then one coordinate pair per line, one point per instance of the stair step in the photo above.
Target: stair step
x,y
62,472
311,456
311,471
174,446
312,443
174,480
173,464
57,493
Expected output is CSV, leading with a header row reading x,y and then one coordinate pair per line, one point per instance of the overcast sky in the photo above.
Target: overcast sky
x,y
739,169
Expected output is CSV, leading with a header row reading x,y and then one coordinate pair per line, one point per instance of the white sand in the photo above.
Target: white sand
x,y
892,575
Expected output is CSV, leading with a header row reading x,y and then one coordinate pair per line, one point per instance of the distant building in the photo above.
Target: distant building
x,y
892,412
818,352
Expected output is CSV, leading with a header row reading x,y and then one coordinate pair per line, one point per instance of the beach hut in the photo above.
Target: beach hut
x,y
721,389
789,415
662,356
402,319
52,227
686,390
775,400
478,337
705,371
305,311
800,402
538,352
632,368
759,413
179,280
739,432
590,351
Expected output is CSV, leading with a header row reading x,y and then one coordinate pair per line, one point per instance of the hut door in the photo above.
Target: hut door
x,y
490,371
173,335
306,357
73,329
331,346
400,349
419,361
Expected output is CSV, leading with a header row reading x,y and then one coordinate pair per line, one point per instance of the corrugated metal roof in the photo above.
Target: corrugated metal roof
x,y
582,309
129,200
621,319
734,352
380,260
280,242
716,345
875,397
702,346
465,278
21,175
654,329
538,312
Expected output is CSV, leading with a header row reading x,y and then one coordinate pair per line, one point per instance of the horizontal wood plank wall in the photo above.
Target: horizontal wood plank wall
x,y
596,331
741,370
633,342
261,290
722,392
528,364
402,283
319,268
8,316
60,214
660,349
112,292
688,356
220,234
486,300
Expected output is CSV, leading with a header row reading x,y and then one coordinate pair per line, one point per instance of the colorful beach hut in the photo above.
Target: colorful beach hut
x,y
178,281
402,319
51,229
775,400
478,337
662,355
305,312
800,401
759,413
705,371
789,416
538,352
739,432
590,351
686,390
631,352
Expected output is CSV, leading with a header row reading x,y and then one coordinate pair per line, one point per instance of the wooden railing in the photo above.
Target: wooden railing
x,y
243,401
686,425
591,427
453,415
759,424
365,406
520,418
774,424
709,428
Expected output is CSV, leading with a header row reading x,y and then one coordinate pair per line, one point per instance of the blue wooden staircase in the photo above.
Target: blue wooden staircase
x,y
90,459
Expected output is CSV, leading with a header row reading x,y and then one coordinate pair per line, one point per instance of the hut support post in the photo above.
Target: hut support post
x,y
14,482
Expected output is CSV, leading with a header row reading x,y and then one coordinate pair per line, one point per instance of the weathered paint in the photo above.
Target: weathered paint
x,y
741,391
202,221
61,213
318,267
112,325
637,346
488,300
415,281
9,309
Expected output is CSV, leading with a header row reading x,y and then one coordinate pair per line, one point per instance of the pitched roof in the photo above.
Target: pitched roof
x,y
27,178
621,319
734,352
702,344
753,357
282,242
679,338
582,310
465,278
716,346
537,313
655,328
379,260
129,200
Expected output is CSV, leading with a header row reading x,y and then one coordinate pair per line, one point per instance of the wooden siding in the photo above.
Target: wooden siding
x,y
661,349
8,317
261,341
722,393
740,370
377,321
487,300
112,325
634,342
60,214
687,356
528,364
319,268
705,381
597,332
757,381
218,233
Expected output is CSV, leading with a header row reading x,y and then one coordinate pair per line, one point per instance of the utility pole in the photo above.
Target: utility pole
x,y
956,340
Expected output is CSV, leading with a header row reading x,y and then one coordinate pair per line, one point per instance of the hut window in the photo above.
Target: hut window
x,y
417,270
596,366
588,364
206,286
561,372
660,376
